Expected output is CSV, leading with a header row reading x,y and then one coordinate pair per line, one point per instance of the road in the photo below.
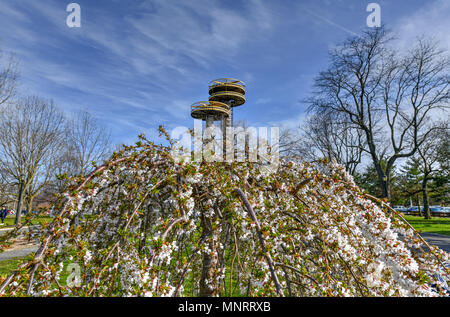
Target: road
x,y
16,253
442,241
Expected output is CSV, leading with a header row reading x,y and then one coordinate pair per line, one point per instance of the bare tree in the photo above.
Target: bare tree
x,y
31,131
294,145
44,178
391,99
429,153
87,142
8,78
336,139
65,166
324,136
6,189
8,83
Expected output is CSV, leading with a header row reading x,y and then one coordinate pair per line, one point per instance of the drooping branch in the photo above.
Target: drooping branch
x,y
261,241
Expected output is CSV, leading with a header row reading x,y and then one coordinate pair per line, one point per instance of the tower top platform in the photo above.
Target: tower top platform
x,y
227,90
215,109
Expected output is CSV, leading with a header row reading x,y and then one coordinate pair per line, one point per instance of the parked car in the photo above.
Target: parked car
x,y
436,209
400,208
414,209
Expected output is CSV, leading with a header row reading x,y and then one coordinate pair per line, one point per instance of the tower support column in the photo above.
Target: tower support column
x,y
208,140
209,122
228,137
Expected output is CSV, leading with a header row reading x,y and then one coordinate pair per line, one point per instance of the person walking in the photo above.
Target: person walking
x,y
3,214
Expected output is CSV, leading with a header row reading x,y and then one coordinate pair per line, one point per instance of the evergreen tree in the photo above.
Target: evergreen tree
x,y
409,181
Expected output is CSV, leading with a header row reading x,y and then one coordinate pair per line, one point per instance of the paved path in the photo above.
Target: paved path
x,y
18,252
440,240
5,230
21,251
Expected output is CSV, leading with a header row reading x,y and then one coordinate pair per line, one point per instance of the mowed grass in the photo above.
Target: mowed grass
x,y
434,225
9,221
7,266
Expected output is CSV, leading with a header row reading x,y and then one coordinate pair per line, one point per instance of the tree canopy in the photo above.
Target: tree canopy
x,y
144,225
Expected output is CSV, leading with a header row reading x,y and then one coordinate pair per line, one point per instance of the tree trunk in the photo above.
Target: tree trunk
x,y
29,205
19,203
426,207
418,206
208,280
384,181
387,189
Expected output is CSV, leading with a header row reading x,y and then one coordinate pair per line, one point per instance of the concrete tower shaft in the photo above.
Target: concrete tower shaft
x,y
224,95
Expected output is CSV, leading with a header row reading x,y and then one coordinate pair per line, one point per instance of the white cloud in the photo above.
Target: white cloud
x,y
433,20
200,31
294,122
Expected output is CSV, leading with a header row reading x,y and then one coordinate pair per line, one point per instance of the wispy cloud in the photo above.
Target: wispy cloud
x,y
329,21
432,20
203,32
138,64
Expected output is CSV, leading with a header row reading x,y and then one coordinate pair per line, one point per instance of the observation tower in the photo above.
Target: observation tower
x,y
229,91
224,95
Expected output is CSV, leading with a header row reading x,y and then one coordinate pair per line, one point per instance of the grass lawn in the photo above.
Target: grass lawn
x,y
434,225
9,221
7,266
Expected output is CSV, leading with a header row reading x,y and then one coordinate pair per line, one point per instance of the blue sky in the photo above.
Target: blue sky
x,y
138,64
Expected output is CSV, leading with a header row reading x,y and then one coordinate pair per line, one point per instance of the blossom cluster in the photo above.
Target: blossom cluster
x,y
145,225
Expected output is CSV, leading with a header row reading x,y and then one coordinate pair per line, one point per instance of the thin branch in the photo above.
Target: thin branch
x,y
261,241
